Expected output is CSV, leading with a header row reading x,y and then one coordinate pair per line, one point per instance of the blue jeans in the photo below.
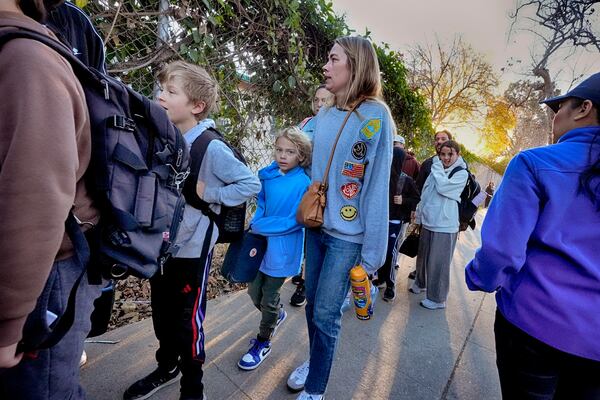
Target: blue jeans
x,y
327,270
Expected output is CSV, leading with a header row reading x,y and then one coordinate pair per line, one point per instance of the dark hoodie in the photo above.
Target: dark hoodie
x,y
400,183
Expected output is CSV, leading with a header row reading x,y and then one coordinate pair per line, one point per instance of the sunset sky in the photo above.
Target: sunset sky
x,y
482,23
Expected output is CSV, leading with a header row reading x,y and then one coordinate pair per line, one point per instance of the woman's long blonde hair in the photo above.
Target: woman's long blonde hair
x,y
365,78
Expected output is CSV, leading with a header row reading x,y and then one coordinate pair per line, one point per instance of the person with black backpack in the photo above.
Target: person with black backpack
x,y
217,179
404,198
45,148
438,215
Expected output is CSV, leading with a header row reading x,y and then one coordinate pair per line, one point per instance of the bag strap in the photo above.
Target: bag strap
x,y
337,138
455,170
79,68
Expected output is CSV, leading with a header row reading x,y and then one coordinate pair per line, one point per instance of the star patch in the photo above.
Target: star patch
x,y
353,170
359,150
348,213
370,128
350,190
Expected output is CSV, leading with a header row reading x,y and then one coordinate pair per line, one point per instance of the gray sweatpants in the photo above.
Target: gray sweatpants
x,y
433,263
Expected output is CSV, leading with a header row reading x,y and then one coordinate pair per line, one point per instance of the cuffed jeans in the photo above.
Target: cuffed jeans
x,y
327,271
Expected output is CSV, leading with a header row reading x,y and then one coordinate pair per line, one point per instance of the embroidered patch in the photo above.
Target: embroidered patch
x,y
348,213
253,252
359,150
353,170
350,190
371,128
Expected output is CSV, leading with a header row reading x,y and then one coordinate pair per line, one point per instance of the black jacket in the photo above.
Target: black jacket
x,y
73,27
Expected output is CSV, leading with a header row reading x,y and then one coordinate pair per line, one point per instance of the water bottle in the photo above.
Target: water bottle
x,y
361,291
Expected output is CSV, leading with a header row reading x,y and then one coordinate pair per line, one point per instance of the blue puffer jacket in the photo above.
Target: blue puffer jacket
x,y
275,218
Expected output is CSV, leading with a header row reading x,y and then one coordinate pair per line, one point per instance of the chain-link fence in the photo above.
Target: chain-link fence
x,y
140,37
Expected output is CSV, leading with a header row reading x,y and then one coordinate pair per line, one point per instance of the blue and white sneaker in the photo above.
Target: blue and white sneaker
x,y
256,355
306,396
282,316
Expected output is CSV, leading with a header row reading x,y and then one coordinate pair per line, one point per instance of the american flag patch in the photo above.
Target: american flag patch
x,y
354,170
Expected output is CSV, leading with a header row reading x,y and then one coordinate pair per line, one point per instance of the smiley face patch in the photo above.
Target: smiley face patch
x,y
371,128
348,213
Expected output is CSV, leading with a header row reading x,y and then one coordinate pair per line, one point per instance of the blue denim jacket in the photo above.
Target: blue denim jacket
x,y
540,242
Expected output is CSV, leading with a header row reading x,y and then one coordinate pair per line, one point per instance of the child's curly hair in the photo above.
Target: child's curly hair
x,y
301,141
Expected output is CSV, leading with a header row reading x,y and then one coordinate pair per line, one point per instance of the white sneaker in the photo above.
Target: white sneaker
x,y
416,289
298,377
432,305
306,396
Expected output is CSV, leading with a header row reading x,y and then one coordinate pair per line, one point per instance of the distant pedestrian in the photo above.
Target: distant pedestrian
x,y
322,97
284,182
355,216
489,190
437,213
403,200
411,166
539,253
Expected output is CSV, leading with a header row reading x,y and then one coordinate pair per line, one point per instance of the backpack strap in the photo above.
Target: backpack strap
x,y
197,153
9,34
455,170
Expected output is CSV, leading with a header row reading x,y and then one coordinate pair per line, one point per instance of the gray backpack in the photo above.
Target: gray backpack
x,y
138,166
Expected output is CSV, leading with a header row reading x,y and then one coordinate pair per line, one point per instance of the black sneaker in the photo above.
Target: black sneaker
x,y
297,280
149,385
378,282
298,299
412,275
389,294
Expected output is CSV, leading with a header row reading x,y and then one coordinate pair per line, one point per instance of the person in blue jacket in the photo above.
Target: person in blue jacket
x,y
539,253
283,185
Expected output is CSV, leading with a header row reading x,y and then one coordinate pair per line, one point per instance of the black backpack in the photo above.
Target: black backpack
x,y
231,221
466,208
138,165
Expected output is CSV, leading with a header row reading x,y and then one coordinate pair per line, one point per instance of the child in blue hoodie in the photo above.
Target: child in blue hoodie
x,y
284,182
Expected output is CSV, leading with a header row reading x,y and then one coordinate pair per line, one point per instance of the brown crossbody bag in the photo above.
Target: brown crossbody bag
x,y
312,206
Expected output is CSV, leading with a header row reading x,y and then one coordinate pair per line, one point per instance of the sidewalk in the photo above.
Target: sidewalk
x,y
404,352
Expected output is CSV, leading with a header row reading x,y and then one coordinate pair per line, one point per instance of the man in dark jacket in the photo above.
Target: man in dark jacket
x,y
403,198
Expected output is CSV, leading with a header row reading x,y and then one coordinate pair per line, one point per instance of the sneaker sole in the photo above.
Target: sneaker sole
x,y
164,385
294,390
254,366
298,304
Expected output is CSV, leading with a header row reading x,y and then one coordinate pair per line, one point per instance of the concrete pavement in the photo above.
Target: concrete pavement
x,y
404,352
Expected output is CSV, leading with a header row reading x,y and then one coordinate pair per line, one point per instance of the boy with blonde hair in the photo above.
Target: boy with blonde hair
x,y
190,94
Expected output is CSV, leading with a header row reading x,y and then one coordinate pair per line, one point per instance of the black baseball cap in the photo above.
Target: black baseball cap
x,y
586,90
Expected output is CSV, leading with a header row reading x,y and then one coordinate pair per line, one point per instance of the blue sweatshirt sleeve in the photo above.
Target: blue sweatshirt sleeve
x,y
279,225
513,214
374,204
240,183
